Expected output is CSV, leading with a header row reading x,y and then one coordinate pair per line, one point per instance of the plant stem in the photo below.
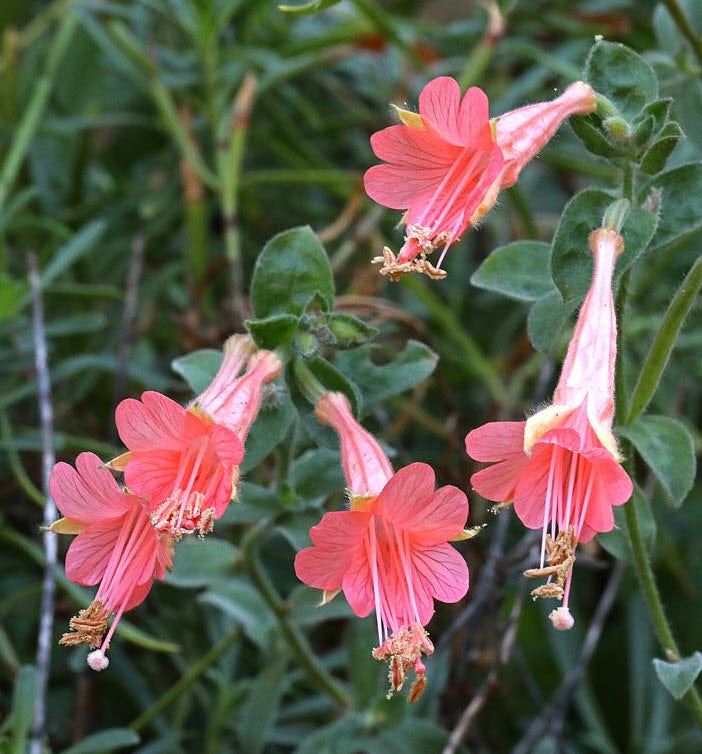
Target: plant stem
x,y
685,27
642,564
30,118
297,642
664,341
656,610
186,680
230,153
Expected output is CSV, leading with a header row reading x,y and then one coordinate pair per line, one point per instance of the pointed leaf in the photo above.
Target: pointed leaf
x,y
679,676
519,270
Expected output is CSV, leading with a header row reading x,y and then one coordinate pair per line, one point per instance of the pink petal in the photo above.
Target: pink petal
x,y
460,123
496,441
88,494
413,148
337,538
357,584
612,487
156,422
498,482
530,493
152,473
442,572
411,485
397,187
228,446
139,594
89,553
434,519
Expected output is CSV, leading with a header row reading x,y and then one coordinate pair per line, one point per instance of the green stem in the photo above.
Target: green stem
x,y
230,154
296,641
30,118
186,680
664,341
30,489
685,27
628,181
642,564
652,595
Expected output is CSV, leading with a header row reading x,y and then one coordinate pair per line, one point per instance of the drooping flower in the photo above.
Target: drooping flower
x,y
446,164
389,552
117,546
561,467
186,460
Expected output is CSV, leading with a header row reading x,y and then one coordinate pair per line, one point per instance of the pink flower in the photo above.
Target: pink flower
x,y
446,165
186,460
390,551
561,467
117,547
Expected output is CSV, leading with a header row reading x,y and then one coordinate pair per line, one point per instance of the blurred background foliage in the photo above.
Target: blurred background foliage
x,y
174,138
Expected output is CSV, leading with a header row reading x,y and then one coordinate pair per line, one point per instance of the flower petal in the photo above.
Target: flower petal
x,y
530,492
228,446
411,486
151,473
496,441
156,422
442,571
357,584
499,481
337,538
89,553
88,494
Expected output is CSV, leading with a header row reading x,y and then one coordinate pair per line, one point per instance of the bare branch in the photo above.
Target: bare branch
x,y
46,619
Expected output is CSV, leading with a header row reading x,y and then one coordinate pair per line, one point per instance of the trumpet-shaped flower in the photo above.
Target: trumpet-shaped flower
x,y
390,551
561,467
117,546
446,164
186,460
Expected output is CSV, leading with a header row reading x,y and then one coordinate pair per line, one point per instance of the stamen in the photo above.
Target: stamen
x,y
88,627
547,510
374,576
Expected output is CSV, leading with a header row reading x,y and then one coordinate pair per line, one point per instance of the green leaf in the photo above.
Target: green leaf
x,y
316,474
572,262
12,293
238,598
667,448
546,319
200,562
519,270
106,740
587,129
19,721
616,541
664,340
290,270
348,331
268,431
657,154
680,189
273,332
260,709
305,609
83,242
622,76
410,367
313,7
198,368
658,110
679,676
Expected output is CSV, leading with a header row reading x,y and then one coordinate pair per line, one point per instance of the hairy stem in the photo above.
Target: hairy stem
x,y
298,644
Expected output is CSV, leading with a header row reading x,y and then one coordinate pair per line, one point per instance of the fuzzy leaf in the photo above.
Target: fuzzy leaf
x,y
273,332
666,446
679,676
519,270
290,270
198,368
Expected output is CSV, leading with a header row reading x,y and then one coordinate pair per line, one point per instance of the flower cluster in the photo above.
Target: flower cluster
x,y
180,473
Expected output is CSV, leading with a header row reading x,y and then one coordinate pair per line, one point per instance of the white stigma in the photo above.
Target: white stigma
x,y
561,618
97,660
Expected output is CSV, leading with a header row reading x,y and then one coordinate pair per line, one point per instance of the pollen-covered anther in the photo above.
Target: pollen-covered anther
x,y
178,518
88,627
394,270
403,650
560,555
